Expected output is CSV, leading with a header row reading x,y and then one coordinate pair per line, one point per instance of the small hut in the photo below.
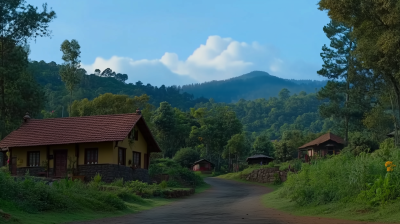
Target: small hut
x,y
203,165
327,144
258,159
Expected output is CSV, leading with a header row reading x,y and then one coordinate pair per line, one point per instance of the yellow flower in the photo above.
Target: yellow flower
x,y
389,166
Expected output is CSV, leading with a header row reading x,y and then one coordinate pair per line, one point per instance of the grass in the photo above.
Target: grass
x,y
337,210
18,216
51,217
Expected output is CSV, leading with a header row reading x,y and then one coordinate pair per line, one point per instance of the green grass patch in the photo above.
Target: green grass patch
x,y
133,204
337,210
52,217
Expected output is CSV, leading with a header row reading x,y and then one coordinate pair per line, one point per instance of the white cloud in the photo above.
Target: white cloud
x,y
217,59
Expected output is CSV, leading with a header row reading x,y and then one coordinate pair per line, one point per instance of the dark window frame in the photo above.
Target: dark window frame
x,y
139,159
37,163
123,161
94,160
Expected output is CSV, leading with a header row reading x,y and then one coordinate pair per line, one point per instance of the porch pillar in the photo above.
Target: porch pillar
x,y
9,159
48,160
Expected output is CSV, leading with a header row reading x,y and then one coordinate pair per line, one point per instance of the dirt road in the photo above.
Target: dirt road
x,y
225,202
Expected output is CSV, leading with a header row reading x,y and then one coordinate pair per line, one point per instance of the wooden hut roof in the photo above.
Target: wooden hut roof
x,y
322,139
258,157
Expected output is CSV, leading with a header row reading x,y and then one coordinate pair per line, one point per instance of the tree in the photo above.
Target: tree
x,y
108,104
164,125
236,147
375,26
346,98
263,145
19,22
186,156
70,71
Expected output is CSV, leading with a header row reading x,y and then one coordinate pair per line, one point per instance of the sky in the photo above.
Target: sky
x,y
178,42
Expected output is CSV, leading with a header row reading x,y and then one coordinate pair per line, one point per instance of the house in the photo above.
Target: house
x,y
203,165
327,144
115,146
258,159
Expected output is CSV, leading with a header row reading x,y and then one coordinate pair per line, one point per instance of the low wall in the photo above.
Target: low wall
x,y
110,172
33,171
266,175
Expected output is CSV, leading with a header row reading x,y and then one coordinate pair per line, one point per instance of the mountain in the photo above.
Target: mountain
x,y
254,85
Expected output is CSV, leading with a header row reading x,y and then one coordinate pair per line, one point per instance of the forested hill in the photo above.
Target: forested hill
x,y
47,75
254,85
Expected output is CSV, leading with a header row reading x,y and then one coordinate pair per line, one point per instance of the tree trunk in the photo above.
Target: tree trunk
x,y
397,98
394,119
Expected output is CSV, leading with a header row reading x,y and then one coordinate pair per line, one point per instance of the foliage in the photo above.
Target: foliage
x,y
263,145
375,27
277,179
186,157
108,103
70,71
345,177
177,173
17,91
163,184
361,142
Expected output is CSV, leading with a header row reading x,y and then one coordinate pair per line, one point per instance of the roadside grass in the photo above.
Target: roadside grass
x,y
352,210
52,217
337,210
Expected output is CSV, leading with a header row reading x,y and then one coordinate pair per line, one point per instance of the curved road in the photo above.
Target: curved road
x,y
225,202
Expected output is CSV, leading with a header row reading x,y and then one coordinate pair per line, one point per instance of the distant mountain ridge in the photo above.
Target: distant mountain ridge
x,y
250,86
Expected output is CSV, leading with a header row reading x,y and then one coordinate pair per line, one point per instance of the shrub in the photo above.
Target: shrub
x,y
345,177
163,184
186,157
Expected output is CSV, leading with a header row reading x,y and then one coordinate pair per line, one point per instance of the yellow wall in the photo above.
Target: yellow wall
x,y
107,153
104,152
137,146
22,154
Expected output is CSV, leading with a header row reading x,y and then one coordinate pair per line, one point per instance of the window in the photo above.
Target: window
x,y
121,156
136,159
91,156
33,159
1,159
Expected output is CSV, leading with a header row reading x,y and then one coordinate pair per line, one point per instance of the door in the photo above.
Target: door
x,y
60,163
14,165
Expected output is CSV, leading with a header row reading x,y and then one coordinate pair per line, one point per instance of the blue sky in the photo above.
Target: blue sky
x,y
181,42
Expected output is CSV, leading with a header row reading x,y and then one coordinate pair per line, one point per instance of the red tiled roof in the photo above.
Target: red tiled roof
x,y
324,138
69,130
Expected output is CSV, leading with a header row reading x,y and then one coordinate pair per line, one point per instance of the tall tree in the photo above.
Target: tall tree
x,y
19,22
70,71
164,125
376,26
345,101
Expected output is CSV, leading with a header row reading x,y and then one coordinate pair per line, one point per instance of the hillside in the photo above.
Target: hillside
x,y
254,85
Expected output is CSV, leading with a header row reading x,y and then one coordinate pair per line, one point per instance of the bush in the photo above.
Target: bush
x,y
345,177
186,157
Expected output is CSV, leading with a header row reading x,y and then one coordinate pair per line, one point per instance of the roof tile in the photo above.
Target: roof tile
x,y
55,131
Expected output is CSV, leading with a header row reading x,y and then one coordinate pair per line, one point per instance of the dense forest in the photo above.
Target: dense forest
x,y
251,86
